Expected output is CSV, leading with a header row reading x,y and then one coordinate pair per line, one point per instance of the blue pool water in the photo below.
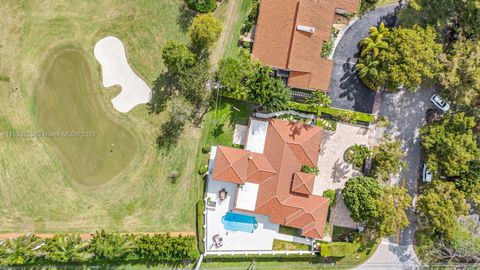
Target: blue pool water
x,y
237,222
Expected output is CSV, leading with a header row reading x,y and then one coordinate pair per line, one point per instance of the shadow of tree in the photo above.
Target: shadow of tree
x,y
184,17
340,170
162,90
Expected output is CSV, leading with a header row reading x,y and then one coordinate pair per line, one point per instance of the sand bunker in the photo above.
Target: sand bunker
x,y
110,52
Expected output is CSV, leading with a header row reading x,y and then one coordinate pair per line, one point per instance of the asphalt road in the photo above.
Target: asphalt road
x,y
406,113
346,89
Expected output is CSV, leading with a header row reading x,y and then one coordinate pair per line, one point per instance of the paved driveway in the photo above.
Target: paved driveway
x,y
334,171
391,256
346,90
406,112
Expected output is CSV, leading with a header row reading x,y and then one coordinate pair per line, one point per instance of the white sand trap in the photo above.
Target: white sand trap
x,y
110,52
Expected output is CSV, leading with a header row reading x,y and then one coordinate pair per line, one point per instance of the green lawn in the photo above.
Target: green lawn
x,y
42,181
285,245
223,118
231,46
288,230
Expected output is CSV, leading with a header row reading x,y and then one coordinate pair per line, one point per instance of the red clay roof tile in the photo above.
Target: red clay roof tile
x,y
288,146
278,42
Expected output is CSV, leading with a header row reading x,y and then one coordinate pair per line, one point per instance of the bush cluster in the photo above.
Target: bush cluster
x,y
102,247
252,17
203,6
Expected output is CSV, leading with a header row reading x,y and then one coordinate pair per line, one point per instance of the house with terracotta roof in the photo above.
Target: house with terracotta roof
x,y
289,37
265,180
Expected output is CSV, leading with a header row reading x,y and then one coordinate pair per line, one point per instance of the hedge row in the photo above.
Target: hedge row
x,y
102,247
335,112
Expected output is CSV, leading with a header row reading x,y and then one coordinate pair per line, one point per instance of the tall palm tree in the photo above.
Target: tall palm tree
x,y
380,30
367,68
318,99
374,42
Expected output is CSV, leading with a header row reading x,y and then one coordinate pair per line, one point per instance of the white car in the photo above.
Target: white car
x,y
426,175
440,103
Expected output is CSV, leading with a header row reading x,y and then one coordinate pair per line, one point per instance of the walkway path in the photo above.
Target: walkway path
x,y
231,19
346,90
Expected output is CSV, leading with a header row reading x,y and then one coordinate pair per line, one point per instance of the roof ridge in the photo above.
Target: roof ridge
x,y
305,152
235,170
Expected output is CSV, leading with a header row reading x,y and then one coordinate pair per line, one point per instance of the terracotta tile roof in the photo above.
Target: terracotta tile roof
x,y
240,166
285,193
278,42
303,183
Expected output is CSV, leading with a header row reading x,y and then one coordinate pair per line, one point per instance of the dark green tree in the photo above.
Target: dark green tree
x,y
177,57
450,144
439,207
193,83
203,6
410,59
388,158
267,91
469,182
460,75
362,196
470,19
392,217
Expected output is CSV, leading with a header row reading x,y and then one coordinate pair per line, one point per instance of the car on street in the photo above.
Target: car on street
x,y
440,103
426,175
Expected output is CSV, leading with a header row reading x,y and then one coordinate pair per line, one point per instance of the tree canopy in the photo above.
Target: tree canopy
x,y
177,57
391,215
470,19
439,206
460,76
267,91
450,144
362,196
205,31
410,59
203,6
387,158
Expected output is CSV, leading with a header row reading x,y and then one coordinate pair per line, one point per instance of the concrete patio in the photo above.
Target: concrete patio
x,y
334,171
260,240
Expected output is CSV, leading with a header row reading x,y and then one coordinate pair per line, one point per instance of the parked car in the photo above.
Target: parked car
x,y
426,175
440,103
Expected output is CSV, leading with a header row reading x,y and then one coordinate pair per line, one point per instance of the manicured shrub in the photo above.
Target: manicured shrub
x,y
203,6
331,194
203,170
206,149
309,169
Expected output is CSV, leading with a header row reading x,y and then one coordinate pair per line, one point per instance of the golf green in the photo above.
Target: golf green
x,y
95,145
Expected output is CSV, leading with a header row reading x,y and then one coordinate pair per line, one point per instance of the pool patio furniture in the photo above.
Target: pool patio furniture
x,y
211,204
222,194
217,240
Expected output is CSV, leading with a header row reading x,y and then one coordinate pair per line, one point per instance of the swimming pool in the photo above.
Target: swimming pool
x,y
237,222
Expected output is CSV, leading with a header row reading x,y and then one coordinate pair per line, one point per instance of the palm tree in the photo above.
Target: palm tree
x,y
372,45
67,248
374,42
380,30
367,68
318,99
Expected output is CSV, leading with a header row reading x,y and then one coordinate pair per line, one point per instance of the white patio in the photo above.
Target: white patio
x,y
260,240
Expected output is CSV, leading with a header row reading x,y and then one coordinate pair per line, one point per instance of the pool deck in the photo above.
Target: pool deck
x,y
258,242
261,239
